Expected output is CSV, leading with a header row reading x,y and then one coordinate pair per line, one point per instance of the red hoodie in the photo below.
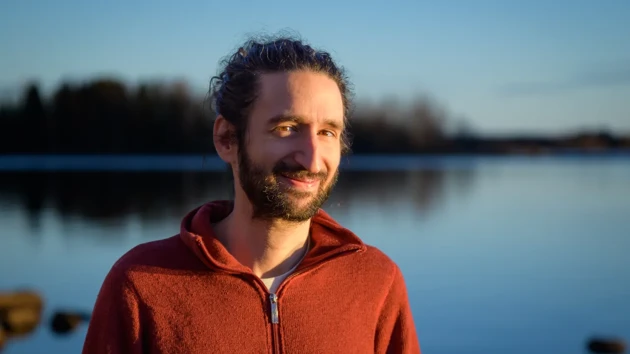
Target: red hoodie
x,y
187,294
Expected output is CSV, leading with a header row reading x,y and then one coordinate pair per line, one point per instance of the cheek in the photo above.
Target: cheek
x,y
276,149
267,154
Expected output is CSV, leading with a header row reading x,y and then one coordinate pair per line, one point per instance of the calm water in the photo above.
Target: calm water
x,y
501,255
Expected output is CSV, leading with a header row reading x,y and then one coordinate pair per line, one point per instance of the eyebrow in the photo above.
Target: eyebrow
x,y
283,118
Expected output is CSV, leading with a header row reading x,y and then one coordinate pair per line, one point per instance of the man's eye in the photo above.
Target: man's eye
x,y
329,133
285,130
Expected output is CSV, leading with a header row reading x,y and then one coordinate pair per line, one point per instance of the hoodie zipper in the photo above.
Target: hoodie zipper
x,y
274,314
273,303
274,308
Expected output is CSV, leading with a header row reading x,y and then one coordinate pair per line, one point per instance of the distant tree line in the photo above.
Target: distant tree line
x,y
105,116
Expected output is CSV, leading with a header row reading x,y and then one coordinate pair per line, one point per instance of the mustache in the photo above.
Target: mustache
x,y
297,172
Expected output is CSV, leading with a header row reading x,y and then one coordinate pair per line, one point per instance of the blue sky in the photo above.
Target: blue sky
x,y
504,66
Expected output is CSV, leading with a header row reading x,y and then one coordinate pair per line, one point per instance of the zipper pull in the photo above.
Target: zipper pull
x,y
274,308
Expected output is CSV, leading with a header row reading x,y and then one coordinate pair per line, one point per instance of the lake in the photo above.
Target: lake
x,y
500,254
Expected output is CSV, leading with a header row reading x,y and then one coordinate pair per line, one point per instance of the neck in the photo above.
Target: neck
x,y
268,248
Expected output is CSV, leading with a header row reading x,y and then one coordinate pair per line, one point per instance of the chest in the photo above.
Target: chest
x,y
236,316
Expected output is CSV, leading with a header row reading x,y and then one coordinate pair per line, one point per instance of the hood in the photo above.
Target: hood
x,y
328,238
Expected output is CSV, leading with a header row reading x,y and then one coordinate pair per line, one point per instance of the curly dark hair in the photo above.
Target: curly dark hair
x,y
234,90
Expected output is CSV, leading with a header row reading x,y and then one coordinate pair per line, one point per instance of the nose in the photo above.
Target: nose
x,y
309,154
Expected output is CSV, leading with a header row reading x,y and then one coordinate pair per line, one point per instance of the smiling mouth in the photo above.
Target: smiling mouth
x,y
301,182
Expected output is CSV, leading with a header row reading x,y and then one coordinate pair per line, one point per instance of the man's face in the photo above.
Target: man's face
x,y
289,159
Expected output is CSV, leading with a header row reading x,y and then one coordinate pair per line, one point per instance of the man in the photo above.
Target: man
x,y
269,271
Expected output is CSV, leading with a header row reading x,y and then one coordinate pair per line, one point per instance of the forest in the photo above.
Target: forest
x,y
107,116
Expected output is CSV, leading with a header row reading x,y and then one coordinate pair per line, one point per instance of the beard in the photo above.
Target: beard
x,y
272,200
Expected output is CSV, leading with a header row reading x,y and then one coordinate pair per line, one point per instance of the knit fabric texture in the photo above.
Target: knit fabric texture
x,y
188,294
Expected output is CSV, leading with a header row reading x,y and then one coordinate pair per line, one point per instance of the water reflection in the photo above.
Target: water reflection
x,y
110,197
507,256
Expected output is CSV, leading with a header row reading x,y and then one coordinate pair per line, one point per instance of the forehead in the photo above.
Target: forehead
x,y
313,96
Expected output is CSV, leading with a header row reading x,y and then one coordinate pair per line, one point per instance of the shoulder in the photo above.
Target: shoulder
x,y
149,253
376,265
377,258
370,275
153,258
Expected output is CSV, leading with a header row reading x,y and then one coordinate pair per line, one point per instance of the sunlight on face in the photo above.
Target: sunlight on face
x,y
290,159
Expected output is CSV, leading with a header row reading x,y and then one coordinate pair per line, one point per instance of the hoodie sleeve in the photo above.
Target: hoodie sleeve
x,y
396,332
115,323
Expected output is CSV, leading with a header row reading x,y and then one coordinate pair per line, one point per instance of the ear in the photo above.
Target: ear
x,y
224,140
